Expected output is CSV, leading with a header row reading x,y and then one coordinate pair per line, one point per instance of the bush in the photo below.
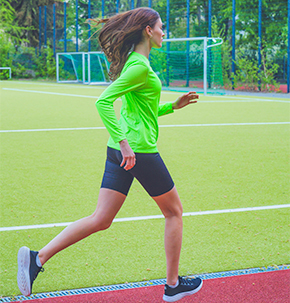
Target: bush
x,y
247,74
26,63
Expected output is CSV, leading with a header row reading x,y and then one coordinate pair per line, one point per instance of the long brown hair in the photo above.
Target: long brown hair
x,y
121,33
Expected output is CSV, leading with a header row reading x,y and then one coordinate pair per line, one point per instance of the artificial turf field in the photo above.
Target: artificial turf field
x,y
225,152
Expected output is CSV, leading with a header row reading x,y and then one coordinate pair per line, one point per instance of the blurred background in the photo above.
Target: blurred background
x,y
255,33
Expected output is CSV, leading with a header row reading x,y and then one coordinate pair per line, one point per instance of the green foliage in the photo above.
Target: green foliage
x,y
268,73
28,64
226,50
9,35
248,75
5,47
9,29
274,41
158,64
27,17
25,63
21,27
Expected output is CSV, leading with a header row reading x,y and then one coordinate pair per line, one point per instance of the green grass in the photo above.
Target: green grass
x,y
50,177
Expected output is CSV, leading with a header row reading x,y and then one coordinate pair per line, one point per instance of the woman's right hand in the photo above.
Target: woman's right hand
x,y
129,159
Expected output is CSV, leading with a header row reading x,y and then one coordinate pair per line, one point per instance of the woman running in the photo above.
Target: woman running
x,y
127,39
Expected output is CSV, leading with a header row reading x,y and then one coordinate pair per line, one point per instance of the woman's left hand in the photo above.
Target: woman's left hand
x,y
185,99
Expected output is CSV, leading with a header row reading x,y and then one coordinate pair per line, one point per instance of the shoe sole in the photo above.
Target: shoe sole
x,y
181,295
23,278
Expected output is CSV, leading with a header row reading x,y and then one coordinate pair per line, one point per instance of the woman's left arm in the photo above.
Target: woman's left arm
x,y
186,99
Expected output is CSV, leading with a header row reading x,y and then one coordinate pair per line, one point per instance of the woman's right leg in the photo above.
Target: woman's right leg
x,y
115,186
109,203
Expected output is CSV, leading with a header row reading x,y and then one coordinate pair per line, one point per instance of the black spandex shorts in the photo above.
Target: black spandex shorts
x,y
149,170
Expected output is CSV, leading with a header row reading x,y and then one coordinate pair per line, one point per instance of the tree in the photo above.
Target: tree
x,y
27,16
9,32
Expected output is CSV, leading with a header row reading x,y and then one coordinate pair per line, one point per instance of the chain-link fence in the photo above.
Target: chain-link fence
x,y
255,52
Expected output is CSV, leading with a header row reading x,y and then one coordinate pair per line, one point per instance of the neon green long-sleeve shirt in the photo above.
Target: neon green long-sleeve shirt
x,y
139,88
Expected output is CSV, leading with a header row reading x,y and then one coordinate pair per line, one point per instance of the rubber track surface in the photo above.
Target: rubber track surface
x,y
264,287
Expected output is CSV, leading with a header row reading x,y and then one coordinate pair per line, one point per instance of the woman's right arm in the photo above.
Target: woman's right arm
x,y
133,78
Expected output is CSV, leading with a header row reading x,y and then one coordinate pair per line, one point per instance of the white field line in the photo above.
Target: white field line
x,y
226,124
49,129
200,101
165,126
250,98
59,85
142,218
49,93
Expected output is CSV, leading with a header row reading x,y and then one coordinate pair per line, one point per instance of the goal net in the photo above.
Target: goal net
x,y
192,63
82,67
71,67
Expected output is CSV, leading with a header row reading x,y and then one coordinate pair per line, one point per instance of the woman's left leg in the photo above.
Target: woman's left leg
x,y
177,287
171,207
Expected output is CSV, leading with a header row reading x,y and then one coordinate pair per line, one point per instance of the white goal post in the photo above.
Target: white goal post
x,y
9,69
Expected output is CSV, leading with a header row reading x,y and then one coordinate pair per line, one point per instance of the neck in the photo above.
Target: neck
x,y
143,48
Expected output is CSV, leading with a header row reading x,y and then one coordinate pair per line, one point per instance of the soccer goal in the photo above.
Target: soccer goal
x,y
190,62
82,67
70,67
194,63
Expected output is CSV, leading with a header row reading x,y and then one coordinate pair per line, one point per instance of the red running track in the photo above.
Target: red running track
x,y
265,287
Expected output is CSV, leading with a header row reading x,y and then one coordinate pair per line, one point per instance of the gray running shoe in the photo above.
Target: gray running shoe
x,y
27,270
186,287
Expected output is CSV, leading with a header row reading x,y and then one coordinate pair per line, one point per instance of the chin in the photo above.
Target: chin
x,y
157,45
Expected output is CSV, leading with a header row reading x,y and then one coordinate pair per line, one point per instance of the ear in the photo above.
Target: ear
x,y
148,31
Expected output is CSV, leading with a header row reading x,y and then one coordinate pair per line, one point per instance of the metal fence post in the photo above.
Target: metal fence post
x,y
77,26
259,44
205,65
233,42
89,25
45,31
54,30
209,17
117,6
187,42
39,34
167,43
64,25
209,50
288,51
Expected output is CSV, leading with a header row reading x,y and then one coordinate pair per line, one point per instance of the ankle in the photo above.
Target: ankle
x,y
173,284
41,258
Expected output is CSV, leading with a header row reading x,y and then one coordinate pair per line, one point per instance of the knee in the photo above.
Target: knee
x,y
170,204
173,211
100,223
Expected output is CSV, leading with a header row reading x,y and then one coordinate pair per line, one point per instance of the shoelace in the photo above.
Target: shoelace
x,y
185,281
37,272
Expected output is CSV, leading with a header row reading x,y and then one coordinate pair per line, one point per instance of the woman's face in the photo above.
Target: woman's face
x,y
157,34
